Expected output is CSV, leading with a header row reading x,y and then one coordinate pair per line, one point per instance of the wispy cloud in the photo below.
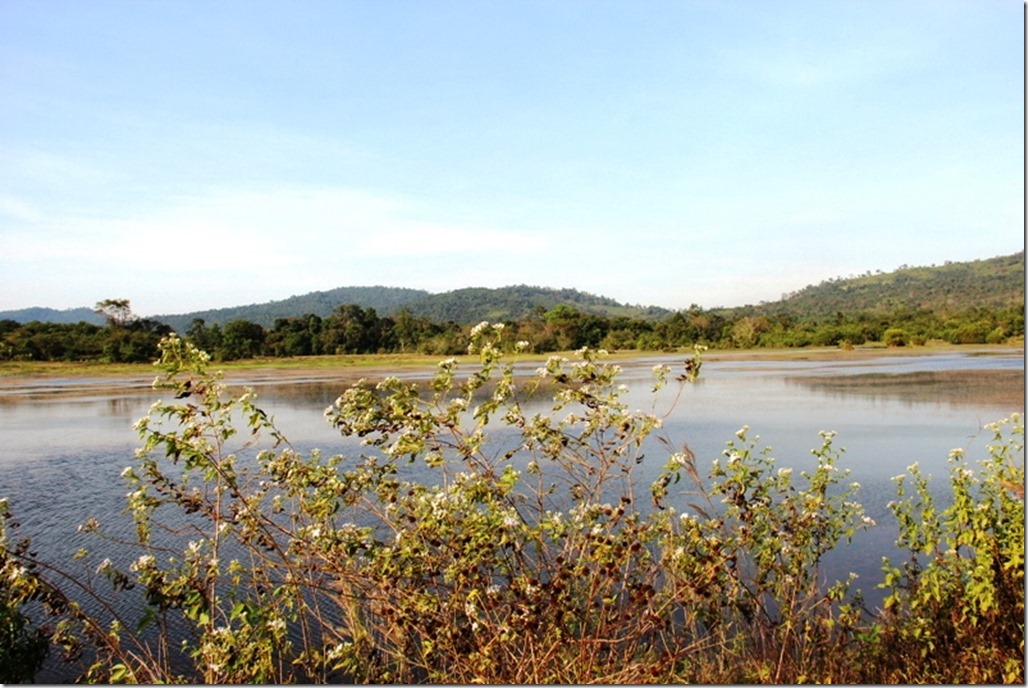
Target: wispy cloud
x,y
18,210
292,238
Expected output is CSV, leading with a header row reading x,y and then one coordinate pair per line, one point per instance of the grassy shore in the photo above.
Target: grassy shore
x,y
19,373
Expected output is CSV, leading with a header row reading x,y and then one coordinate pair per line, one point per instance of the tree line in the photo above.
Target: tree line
x,y
124,338
352,329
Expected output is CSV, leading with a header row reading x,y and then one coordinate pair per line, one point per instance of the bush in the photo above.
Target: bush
x,y
895,336
466,541
23,648
956,605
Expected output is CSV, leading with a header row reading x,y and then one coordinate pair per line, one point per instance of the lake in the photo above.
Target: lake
x,y
65,444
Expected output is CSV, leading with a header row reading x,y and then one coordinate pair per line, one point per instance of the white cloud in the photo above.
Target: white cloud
x,y
796,61
19,210
256,246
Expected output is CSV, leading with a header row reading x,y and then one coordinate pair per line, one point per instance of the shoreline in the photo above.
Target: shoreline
x,y
32,378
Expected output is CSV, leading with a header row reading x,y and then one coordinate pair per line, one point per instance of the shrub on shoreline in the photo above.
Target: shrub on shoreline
x,y
467,541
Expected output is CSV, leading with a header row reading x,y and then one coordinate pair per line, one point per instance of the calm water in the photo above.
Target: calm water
x,y
63,451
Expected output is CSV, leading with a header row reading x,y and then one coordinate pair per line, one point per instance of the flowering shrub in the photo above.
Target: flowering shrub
x,y
467,540
956,606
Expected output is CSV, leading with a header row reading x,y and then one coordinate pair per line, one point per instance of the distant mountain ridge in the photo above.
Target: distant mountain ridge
x,y
475,304
321,303
52,315
991,282
468,305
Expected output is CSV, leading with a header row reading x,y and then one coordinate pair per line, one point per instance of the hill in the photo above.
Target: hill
x,y
992,283
464,306
320,303
470,305
475,304
52,315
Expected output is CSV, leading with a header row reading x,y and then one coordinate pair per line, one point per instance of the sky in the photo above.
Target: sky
x,y
189,155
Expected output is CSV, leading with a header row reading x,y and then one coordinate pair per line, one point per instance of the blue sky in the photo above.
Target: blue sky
x,y
190,155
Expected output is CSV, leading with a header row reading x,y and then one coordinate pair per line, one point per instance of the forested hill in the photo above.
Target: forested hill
x,y
518,302
977,302
320,303
990,283
52,315
462,306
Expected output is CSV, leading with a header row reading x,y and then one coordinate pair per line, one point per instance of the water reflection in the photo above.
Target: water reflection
x,y
999,388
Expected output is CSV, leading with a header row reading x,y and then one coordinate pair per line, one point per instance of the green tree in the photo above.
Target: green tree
x,y
241,339
204,337
351,330
295,336
895,336
409,331
117,311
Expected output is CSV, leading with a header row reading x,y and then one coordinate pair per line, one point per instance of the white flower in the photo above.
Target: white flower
x,y
144,562
678,460
17,572
784,472
479,328
868,521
